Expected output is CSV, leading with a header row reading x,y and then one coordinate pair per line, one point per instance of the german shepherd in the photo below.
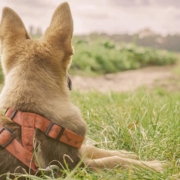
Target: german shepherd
x,y
35,74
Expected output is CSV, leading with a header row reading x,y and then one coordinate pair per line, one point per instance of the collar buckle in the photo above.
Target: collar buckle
x,y
9,140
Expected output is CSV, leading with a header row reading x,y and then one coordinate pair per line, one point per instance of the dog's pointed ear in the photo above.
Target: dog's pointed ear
x,y
12,27
60,31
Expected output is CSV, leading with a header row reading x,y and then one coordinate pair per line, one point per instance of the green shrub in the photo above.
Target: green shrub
x,y
105,56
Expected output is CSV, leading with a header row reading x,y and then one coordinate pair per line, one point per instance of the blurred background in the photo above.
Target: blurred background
x,y
111,36
104,16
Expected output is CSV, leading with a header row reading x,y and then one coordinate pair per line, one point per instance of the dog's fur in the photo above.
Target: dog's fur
x,y
35,81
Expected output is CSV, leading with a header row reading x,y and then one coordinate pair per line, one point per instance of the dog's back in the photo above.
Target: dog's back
x,y
35,81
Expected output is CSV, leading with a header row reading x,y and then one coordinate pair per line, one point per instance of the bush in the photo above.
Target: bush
x,y
105,56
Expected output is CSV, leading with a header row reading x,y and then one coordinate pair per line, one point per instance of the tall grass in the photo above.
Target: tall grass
x,y
144,122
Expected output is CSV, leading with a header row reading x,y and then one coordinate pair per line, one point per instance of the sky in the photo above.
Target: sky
x,y
108,16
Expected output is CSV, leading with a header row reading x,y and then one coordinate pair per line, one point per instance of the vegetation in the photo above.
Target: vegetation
x,y
105,56
145,37
146,122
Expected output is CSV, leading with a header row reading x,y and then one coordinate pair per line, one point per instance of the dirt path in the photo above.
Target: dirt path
x,y
124,81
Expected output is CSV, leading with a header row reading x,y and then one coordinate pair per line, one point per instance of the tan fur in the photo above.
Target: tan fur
x,y
35,81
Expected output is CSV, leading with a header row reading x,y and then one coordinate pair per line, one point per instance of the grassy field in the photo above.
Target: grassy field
x,y
146,122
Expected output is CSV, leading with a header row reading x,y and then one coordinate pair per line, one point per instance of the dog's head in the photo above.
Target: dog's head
x,y
47,57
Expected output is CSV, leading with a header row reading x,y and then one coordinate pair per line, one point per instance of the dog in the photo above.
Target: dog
x,y
35,92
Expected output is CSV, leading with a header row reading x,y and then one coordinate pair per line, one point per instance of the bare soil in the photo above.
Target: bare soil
x,y
128,80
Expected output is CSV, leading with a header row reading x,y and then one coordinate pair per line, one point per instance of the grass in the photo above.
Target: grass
x,y
146,122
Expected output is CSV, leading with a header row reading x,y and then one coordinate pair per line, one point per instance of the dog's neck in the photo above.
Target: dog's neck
x,y
46,99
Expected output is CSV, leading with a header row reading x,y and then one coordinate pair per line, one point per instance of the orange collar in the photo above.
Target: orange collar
x,y
9,142
30,121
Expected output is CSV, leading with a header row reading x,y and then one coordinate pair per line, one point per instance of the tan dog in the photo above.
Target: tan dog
x,y
35,81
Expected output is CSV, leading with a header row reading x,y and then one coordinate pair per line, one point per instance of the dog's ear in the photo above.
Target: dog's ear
x,y
12,28
59,33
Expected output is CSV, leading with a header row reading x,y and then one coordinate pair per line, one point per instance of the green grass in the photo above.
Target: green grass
x,y
146,122
103,56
